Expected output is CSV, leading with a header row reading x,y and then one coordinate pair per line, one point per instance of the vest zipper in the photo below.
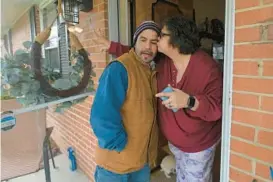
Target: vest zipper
x,y
153,100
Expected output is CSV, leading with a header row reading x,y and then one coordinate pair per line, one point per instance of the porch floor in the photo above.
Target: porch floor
x,y
159,176
63,173
60,174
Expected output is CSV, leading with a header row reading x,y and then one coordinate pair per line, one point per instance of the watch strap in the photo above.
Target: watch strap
x,y
191,102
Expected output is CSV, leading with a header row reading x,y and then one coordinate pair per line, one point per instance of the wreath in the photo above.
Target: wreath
x,y
21,79
31,82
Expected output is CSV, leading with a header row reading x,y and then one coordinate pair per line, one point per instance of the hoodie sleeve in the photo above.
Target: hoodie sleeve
x,y
106,119
210,103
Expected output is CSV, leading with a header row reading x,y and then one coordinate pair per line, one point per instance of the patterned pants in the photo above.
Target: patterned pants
x,y
194,167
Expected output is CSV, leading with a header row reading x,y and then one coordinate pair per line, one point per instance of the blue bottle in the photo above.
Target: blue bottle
x,y
71,156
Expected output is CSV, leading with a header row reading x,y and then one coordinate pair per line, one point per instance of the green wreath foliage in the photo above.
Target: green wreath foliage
x,y
18,79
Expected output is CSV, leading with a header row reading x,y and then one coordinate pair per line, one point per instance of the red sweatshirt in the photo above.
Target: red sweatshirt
x,y
190,131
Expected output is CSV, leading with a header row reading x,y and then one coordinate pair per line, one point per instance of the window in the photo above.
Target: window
x,y
51,48
119,21
56,47
124,20
6,44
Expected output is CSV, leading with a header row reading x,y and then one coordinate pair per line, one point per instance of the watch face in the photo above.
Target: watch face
x,y
191,102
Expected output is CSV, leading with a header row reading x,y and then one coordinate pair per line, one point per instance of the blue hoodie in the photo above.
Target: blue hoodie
x,y
105,118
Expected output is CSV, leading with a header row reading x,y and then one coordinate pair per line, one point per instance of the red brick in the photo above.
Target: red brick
x,y
246,68
99,24
251,150
267,1
240,4
241,163
267,103
87,43
93,49
247,34
95,9
97,2
97,57
86,36
98,16
265,137
261,50
238,176
98,74
270,32
100,64
268,68
262,170
245,100
244,132
103,7
254,118
21,32
253,85
254,16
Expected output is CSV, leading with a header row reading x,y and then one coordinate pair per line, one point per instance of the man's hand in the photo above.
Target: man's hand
x,y
176,99
99,38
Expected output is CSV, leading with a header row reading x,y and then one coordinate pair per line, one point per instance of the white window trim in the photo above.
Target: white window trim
x,y
113,22
43,5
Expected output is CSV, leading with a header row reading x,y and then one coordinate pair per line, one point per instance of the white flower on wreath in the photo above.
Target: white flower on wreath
x,y
7,86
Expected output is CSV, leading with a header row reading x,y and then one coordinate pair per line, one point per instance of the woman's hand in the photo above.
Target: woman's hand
x,y
176,99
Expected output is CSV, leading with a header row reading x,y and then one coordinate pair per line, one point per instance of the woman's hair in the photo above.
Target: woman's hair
x,y
184,34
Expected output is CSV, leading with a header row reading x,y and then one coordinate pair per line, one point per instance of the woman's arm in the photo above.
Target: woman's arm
x,y
117,49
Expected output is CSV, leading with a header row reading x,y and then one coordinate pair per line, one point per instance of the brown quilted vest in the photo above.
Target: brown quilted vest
x,y
139,120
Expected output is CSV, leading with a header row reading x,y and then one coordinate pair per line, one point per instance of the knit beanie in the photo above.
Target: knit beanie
x,y
144,26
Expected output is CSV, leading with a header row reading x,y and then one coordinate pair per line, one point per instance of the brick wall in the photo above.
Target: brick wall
x,y
21,32
72,128
252,120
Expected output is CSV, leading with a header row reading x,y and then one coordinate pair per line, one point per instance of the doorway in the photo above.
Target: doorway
x,y
220,46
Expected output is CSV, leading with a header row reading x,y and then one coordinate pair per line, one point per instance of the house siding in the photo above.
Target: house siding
x,y
252,116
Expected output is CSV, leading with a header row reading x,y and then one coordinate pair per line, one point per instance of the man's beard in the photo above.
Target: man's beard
x,y
147,56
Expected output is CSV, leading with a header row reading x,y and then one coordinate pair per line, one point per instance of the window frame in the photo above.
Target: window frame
x,y
65,50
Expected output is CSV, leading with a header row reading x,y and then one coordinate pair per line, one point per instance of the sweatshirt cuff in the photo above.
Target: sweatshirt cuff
x,y
112,48
121,142
202,109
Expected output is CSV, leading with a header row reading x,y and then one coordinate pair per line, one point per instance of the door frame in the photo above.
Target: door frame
x,y
227,79
227,89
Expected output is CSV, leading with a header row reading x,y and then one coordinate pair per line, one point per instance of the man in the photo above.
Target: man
x,y
124,112
194,130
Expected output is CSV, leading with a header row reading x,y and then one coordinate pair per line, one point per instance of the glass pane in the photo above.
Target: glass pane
x,y
124,24
21,73
52,57
53,39
49,14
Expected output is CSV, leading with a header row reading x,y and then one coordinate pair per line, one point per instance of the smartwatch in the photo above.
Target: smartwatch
x,y
191,102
